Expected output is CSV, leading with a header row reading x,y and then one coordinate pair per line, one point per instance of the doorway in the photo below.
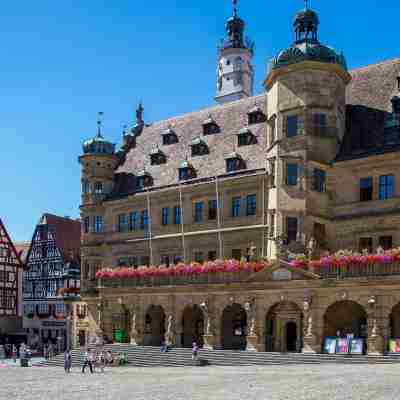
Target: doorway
x,y
291,337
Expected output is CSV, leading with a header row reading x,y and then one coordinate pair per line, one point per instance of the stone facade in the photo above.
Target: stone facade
x,y
312,160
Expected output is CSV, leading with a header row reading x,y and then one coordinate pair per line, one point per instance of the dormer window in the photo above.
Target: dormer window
x,y
199,147
210,127
256,116
143,180
246,137
157,157
186,171
169,137
234,162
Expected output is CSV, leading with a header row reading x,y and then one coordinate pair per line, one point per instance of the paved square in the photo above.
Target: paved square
x,y
327,382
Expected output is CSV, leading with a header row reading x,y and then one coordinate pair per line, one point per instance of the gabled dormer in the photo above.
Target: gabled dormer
x,y
169,137
186,171
246,137
256,115
157,157
210,127
234,162
199,147
143,180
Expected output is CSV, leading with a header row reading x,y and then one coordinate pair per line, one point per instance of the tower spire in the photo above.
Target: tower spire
x,y
99,123
234,71
235,11
306,4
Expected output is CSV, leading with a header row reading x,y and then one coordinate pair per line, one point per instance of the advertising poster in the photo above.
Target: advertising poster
x,y
394,346
330,346
342,346
356,346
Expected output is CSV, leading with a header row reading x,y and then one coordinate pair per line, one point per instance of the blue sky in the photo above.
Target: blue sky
x,y
61,62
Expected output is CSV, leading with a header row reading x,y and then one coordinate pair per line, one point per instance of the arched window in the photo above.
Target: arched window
x,y
85,186
98,188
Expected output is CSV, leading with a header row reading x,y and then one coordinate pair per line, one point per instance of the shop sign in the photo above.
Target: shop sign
x,y
330,346
342,346
394,346
53,324
82,324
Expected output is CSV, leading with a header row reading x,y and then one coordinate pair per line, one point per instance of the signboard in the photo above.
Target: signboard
x,y
356,346
53,323
330,346
120,335
82,324
394,346
281,274
342,346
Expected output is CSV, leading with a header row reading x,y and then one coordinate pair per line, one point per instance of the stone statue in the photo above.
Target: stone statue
x,y
306,305
208,326
374,331
252,252
252,331
169,335
309,326
169,325
133,329
311,248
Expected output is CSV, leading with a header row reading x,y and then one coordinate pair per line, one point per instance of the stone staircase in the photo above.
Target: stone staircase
x,y
178,357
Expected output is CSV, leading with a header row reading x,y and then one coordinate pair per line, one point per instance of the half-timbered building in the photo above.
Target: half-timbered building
x,y
52,275
10,287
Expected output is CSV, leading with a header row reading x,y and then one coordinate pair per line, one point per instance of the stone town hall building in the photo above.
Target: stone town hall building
x,y
314,156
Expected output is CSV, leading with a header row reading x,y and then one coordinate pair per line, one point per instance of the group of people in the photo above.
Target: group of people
x,y
195,349
92,359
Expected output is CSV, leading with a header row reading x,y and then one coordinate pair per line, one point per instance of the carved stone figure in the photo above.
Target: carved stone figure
x,y
252,331
311,248
133,328
309,326
374,330
208,325
169,325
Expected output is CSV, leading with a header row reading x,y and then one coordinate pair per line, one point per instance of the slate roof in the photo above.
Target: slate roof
x,y
68,235
368,98
368,106
230,118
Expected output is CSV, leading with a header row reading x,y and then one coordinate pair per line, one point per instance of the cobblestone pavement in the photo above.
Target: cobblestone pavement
x,y
327,382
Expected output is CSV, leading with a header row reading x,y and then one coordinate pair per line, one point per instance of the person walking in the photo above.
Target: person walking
x,y
67,361
109,358
195,350
101,361
14,353
87,361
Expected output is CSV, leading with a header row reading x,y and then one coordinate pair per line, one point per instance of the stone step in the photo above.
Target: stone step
x,y
151,356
